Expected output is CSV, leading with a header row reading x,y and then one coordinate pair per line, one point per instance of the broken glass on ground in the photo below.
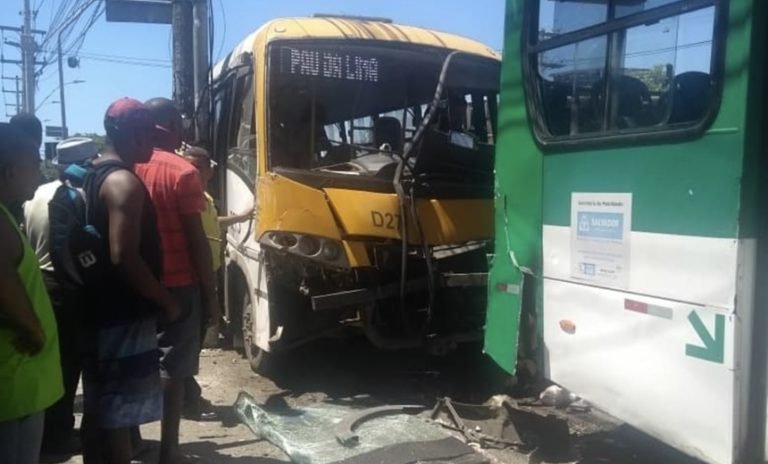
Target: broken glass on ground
x,y
309,436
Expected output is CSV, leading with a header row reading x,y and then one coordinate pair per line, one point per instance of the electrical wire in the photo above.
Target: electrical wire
x,y
40,105
58,19
70,47
127,62
124,57
62,18
77,43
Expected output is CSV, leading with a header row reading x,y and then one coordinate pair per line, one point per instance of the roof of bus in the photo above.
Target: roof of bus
x,y
357,29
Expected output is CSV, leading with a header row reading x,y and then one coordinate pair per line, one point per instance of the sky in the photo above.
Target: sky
x,y
106,81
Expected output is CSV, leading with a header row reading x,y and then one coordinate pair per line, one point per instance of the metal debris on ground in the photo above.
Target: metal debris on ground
x,y
502,424
345,430
309,435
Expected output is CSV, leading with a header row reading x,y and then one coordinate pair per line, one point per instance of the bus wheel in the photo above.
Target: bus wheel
x,y
257,357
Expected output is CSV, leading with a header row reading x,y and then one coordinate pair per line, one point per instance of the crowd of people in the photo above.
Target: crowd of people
x,y
130,325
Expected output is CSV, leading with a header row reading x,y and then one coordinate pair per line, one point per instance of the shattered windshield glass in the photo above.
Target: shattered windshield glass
x,y
309,436
349,107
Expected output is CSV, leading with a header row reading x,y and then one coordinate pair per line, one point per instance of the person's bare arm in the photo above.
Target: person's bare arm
x,y
200,252
227,221
16,310
124,197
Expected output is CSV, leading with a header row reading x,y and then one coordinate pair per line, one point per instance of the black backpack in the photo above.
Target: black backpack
x,y
79,254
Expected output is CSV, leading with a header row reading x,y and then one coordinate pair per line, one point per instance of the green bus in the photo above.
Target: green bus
x,y
630,204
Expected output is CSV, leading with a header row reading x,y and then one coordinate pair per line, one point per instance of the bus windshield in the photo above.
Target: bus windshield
x,y
351,108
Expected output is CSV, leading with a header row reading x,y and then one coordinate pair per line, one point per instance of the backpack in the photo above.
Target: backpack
x,y
79,254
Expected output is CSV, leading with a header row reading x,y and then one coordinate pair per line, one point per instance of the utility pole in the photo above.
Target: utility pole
x,y
184,62
26,42
17,92
28,49
201,67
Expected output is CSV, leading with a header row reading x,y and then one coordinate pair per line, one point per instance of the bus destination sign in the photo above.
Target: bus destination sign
x,y
329,65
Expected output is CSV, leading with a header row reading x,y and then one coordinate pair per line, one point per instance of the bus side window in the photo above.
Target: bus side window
x,y
222,103
246,134
642,78
242,130
669,62
572,87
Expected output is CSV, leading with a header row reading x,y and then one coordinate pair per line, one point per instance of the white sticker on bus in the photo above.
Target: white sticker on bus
x,y
601,225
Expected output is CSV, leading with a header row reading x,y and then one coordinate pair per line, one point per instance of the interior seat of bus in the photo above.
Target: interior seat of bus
x,y
634,101
691,96
388,130
685,100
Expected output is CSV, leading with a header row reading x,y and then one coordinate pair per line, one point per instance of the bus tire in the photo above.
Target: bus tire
x,y
257,358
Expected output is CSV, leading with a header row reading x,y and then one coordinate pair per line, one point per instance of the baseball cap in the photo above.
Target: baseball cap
x,y
75,150
127,113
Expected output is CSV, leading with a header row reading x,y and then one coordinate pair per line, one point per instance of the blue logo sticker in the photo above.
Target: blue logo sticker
x,y
604,226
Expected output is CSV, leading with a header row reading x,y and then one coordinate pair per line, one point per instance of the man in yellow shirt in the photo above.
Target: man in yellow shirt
x,y
214,226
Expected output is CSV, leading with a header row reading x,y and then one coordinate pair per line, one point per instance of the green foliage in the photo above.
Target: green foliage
x,y
655,78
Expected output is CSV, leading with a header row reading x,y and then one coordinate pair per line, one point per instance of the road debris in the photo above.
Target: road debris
x,y
345,430
309,435
501,424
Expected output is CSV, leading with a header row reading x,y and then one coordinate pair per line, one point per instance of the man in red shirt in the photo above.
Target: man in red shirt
x,y
175,188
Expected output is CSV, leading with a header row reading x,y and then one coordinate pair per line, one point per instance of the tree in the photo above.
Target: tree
x,y
656,78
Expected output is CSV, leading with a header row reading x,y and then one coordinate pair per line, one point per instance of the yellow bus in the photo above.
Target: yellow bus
x,y
347,134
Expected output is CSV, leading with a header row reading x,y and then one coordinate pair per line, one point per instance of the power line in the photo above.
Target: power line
x,y
80,39
123,57
64,25
127,62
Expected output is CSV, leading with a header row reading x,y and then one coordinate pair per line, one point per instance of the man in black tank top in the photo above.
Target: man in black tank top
x,y
121,375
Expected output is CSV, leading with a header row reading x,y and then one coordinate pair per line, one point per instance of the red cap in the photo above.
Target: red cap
x,y
127,113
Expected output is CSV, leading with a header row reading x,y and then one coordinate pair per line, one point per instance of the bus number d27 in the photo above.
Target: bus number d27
x,y
385,220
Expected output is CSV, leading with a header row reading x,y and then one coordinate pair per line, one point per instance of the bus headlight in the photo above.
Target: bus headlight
x,y
320,249
283,240
308,246
331,251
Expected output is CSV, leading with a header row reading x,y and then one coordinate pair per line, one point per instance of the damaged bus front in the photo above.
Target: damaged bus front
x,y
365,140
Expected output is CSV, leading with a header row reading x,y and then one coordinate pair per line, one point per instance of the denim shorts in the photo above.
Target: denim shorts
x,y
20,439
179,341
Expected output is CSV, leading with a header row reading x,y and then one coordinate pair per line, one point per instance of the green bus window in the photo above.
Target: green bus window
x,y
657,60
616,66
571,16
571,89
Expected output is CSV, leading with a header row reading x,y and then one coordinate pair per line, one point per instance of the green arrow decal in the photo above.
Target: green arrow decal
x,y
714,347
